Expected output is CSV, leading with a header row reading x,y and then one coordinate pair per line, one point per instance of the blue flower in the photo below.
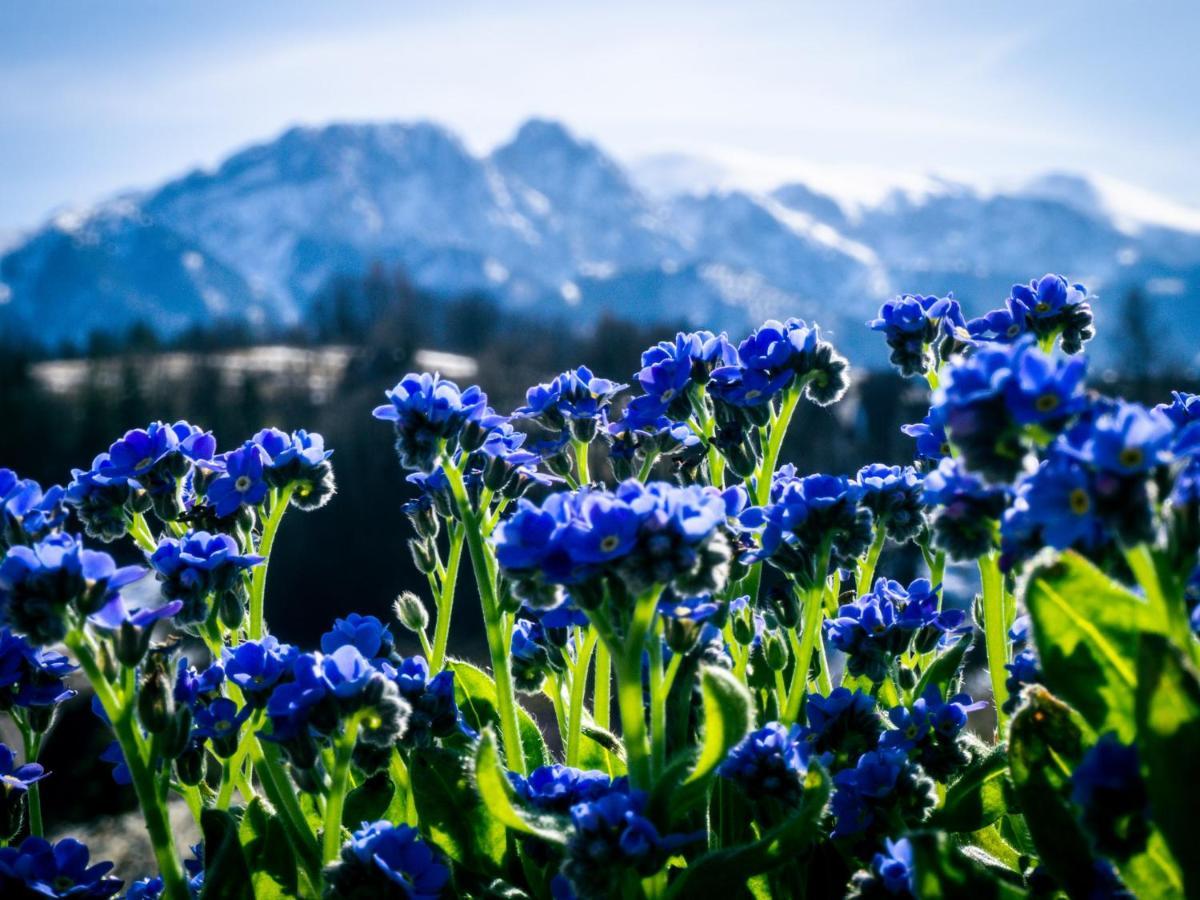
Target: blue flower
x,y
891,874
841,726
769,764
40,869
197,566
27,513
386,860
603,530
930,434
347,672
39,583
966,510
31,676
426,411
194,688
1183,410
1056,307
928,731
145,889
294,702
893,495
366,633
257,666
610,839
533,655
557,788
1111,794
576,400
15,777
910,323
1004,325
241,481
434,708
220,722
298,461
1024,669
1054,506
115,757
883,789
99,496
747,388
1127,439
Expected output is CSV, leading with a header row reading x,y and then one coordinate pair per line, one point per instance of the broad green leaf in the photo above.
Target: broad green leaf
x,y
946,871
728,716
945,670
977,798
1087,629
452,813
268,852
501,800
369,801
226,874
1168,713
1045,745
726,872
475,693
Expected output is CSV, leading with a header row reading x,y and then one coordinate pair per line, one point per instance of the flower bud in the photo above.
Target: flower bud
x,y
681,634
155,702
743,629
130,644
906,677
189,765
176,736
411,612
423,555
40,718
138,502
785,605
583,429
775,650
231,609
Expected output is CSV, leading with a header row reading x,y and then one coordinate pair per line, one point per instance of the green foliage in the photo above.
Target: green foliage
x,y
1087,628
501,801
978,797
946,871
452,813
226,874
476,695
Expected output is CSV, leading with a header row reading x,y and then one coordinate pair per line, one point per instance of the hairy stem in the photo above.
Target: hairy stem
x,y
258,580
995,632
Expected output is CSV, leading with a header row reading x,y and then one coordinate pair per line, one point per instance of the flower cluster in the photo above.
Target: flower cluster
x,y
769,764
893,495
28,513
891,875
32,678
1000,400
382,860
199,567
841,727
929,731
43,586
1048,307
575,400
877,628
38,868
885,787
966,510
647,534
913,325
810,524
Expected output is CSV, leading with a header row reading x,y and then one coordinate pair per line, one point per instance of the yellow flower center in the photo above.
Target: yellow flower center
x,y
609,543
242,484
1046,403
751,394
1079,501
1131,457
1042,307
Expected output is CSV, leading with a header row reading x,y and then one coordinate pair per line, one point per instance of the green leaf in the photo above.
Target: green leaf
x,y
945,670
266,847
977,798
226,874
452,813
726,872
501,800
1168,715
369,801
943,870
600,749
1087,629
728,716
1045,745
475,693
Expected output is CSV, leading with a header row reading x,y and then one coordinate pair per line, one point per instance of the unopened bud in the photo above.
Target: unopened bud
x,y
775,650
411,612
154,702
423,556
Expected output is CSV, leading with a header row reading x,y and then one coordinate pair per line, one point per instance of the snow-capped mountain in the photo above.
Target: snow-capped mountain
x,y
550,222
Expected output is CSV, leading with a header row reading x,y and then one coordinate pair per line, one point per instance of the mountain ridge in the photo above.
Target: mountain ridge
x,y
549,221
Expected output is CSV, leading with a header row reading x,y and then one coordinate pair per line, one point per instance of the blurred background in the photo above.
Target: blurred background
x,y
259,214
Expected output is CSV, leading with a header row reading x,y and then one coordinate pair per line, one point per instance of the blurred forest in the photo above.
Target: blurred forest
x,y
363,335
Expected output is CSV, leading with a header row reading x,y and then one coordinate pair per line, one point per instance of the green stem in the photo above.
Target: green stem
x,y
814,611
581,462
492,620
647,466
602,689
281,793
445,600
629,690
866,565
139,530
995,632
775,436
658,708
236,762
258,581
578,686
1141,562
32,745
154,811
332,838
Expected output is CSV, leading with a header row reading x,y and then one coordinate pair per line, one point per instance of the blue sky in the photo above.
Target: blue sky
x,y
100,96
